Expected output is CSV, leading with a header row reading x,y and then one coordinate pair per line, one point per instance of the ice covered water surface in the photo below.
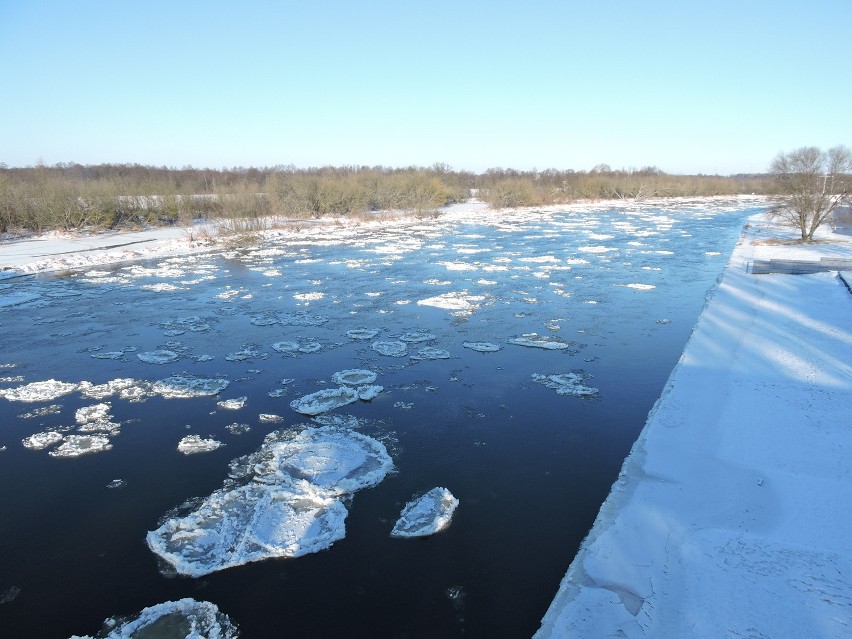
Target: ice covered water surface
x,y
426,515
182,619
250,523
334,460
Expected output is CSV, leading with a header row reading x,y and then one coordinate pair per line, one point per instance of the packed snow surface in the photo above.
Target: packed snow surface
x,y
426,515
182,619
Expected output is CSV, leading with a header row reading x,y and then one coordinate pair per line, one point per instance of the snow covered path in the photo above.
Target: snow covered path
x,y
731,515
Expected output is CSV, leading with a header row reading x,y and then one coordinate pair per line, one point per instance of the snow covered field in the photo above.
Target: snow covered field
x,y
731,515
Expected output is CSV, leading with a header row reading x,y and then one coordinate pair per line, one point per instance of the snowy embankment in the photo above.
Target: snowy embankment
x,y
731,515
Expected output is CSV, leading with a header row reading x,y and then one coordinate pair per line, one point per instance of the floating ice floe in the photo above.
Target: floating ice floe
x,y
413,337
354,377
43,411
367,393
182,619
132,390
239,429
194,323
539,341
309,297
96,419
161,356
324,400
40,441
461,301
114,355
288,508
431,353
482,347
247,352
334,460
77,445
45,391
638,287
192,444
233,404
362,333
269,418
571,383
289,346
186,386
426,515
117,483
391,348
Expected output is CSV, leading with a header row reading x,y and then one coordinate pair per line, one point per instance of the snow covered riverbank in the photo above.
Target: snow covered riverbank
x,y
730,516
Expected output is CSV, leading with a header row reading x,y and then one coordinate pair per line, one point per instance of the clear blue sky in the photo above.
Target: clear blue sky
x,y
691,87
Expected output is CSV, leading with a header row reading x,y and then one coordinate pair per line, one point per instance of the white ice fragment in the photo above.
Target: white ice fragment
x,y
114,355
453,301
334,460
539,341
362,333
431,353
160,356
638,287
324,400
185,618
247,352
239,429
426,515
77,445
391,348
39,441
250,523
571,383
186,386
233,404
126,388
482,347
42,411
93,413
415,336
269,418
45,391
367,393
192,444
354,377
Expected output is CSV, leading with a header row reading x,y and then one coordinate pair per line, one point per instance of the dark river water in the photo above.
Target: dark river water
x,y
530,467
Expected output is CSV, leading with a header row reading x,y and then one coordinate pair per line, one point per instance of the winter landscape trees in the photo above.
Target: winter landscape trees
x,y
812,184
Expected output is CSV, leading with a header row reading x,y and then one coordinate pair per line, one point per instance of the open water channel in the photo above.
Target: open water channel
x,y
518,353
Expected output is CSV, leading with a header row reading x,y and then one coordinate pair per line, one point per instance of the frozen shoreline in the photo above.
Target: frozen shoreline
x,y
728,517
57,251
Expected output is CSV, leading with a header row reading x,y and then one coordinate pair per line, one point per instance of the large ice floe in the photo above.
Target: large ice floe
x,y
572,383
286,502
426,515
182,619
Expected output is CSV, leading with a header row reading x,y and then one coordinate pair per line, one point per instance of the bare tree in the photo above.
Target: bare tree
x,y
812,183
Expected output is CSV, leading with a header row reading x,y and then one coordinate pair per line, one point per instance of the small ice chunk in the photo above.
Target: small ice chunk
x,y
233,404
354,377
367,393
571,383
192,444
539,341
415,337
324,400
43,411
247,352
269,418
250,523
431,353
186,386
390,348
637,287
482,347
362,333
286,346
77,445
93,413
45,391
109,355
239,429
426,515
185,618
160,356
126,388
117,483
39,441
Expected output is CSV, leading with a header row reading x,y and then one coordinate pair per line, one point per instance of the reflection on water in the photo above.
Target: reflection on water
x,y
448,338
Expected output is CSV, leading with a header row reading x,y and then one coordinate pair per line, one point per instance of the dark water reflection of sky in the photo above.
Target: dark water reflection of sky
x,y
530,467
